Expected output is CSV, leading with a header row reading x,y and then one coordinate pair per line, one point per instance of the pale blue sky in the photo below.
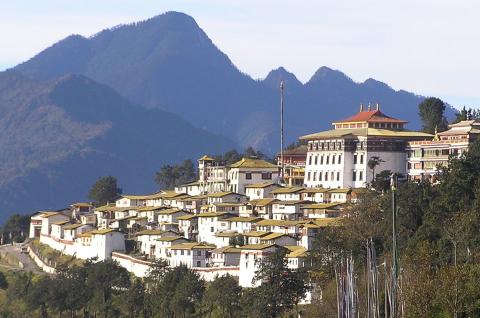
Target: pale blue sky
x,y
428,47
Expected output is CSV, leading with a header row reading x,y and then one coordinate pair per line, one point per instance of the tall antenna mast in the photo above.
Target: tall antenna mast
x,y
282,172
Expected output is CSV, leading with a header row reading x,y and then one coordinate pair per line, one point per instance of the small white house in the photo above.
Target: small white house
x,y
208,224
288,210
250,257
192,255
261,190
250,171
188,226
163,245
72,231
49,218
317,195
104,242
280,239
288,194
225,197
254,237
146,241
226,256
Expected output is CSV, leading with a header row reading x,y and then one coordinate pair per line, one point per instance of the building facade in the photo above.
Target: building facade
x,y
338,158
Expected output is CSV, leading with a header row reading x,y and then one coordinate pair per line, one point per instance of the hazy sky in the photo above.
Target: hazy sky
x,y
428,47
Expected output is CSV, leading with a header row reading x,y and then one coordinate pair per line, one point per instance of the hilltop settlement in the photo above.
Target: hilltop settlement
x,y
235,215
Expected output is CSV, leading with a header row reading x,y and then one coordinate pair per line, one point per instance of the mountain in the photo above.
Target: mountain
x,y
58,136
168,62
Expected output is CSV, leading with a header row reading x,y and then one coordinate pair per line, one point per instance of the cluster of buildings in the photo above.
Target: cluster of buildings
x,y
235,215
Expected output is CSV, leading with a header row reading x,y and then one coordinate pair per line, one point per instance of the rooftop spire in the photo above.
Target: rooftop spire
x,y
361,107
378,106
369,107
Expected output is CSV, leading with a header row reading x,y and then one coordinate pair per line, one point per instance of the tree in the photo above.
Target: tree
x,y
282,288
105,279
39,295
170,176
373,162
238,240
104,190
431,113
18,225
222,298
381,182
251,152
3,281
133,300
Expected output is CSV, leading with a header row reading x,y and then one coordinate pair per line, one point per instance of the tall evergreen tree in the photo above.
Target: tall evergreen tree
x,y
431,112
104,190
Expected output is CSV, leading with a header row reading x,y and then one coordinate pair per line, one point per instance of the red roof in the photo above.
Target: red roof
x,y
371,116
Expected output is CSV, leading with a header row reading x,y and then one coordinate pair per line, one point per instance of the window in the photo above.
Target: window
x,y
248,176
266,176
316,159
333,159
321,160
360,176
361,159
211,229
332,175
199,264
319,176
314,176
327,159
326,176
354,176
199,253
339,159
308,176
181,252
338,175
355,159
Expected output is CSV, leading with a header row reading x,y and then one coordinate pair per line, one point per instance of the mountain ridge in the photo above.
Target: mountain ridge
x,y
168,62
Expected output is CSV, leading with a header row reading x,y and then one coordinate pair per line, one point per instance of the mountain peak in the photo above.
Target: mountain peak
x,y
275,76
373,83
325,73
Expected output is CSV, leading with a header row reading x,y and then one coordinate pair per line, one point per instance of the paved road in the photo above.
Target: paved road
x,y
28,264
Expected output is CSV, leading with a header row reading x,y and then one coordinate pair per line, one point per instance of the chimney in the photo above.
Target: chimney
x,y
361,107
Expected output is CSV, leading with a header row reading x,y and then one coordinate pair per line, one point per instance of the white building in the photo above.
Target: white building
x,y
288,194
338,158
212,175
191,255
260,190
250,171
225,256
208,225
164,243
250,257
288,210
426,156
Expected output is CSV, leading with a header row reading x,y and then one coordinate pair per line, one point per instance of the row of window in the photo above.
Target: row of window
x,y
186,252
325,159
323,176
333,176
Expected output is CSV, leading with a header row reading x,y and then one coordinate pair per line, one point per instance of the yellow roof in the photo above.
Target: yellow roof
x,y
47,214
86,234
171,211
187,217
226,234
220,194
255,234
102,232
61,222
192,246
273,236
227,249
149,232
340,190
375,132
250,219
321,205
111,208
287,190
324,222
315,190
212,214
263,202
72,226
206,158
296,251
171,238
261,185
253,163
227,204
82,204
279,223
257,246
